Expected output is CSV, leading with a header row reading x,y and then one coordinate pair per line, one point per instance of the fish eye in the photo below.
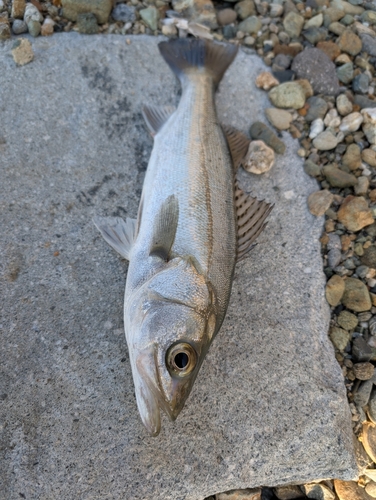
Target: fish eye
x,y
181,359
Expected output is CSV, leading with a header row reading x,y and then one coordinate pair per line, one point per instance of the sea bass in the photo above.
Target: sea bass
x,y
193,224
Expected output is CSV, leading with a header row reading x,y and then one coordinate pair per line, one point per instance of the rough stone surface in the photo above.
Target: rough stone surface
x,y
318,492
354,213
315,66
260,131
279,118
259,158
288,95
356,296
22,53
319,202
71,428
101,9
247,494
349,490
334,290
325,141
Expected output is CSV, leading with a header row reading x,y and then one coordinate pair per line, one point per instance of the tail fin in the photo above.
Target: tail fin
x,y
183,54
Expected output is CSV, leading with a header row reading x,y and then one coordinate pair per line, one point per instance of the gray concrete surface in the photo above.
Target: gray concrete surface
x,y
269,405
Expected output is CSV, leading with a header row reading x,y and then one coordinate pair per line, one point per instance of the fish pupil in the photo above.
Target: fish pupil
x,y
181,360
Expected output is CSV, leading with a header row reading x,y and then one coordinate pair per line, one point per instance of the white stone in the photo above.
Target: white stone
x,y
317,126
314,22
332,119
351,122
32,13
325,141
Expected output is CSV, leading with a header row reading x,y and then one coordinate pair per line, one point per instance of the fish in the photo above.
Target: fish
x,y
194,223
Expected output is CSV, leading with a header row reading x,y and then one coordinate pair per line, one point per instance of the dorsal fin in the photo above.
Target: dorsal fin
x,y
156,116
238,144
166,224
251,214
118,234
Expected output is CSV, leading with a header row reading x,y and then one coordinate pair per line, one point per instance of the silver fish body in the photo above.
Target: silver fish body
x,y
182,249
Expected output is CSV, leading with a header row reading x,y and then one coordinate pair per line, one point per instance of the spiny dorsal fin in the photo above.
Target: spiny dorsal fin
x,y
251,214
156,116
238,144
118,234
165,229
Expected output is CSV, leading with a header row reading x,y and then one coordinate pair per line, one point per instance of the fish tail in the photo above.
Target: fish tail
x,y
185,54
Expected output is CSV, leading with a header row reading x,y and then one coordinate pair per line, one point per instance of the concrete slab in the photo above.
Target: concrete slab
x,y
269,405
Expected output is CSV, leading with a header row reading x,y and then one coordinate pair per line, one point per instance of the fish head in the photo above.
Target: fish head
x,y
172,326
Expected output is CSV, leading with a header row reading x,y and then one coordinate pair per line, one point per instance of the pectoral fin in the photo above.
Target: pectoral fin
x,y
238,144
251,214
165,227
155,117
118,234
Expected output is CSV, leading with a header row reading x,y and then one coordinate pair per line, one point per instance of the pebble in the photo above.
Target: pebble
x,y
288,95
266,81
337,177
252,25
363,371
259,131
369,439
34,27
337,28
18,9
349,490
331,49
318,492
361,188
281,62
340,338
226,16
369,156
317,126
248,494
356,296
315,35
369,44
372,409
319,202
245,8
345,73
334,290
362,395
150,16
325,141
293,24
101,9
19,27
351,122
124,13
279,118
332,119
360,84
22,52
315,66
312,169
259,158
344,105
314,22
363,101
290,492
47,28
350,42
32,14
354,213
276,10
352,158
317,108
371,489
347,320
369,257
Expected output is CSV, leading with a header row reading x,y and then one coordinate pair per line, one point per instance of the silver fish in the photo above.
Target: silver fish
x,y
193,224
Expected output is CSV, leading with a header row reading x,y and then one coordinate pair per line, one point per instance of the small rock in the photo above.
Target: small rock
x,y
248,494
306,86
150,16
317,126
370,132
259,158
369,16
351,122
334,290
338,178
363,102
314,22
352,157
317,108
259,131
318,492
18,9
372,410
276,10
331,49
266,81
124,13
325,141
350,42
369,257
245,8
87,24
340,338
288,95
332,119
356,296
252,25
371,489
362,395
319,202
370,473
361,188
290,492
293,24
369,439
337,28
101,9
226,16
279,118
347,320
169,30
315,35
281,62
369,44
32,14
363,371
369,156
19,27
345,72
354,213
349,490
34,27
4,31
312,169
316,67
332,14
348,8
22,52
48,27
360,84
344,105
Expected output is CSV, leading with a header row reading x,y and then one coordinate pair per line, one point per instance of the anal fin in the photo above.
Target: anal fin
x,y
155,117
238,144
119,234
251,214
166,224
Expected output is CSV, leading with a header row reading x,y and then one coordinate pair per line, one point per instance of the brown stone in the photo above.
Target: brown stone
x,y
266,81
287,50
356,296
354,213
352,158
350,42
369,439
18,9
363,371
248,494
23,52
319,202
349,490
369,156
331,49
288,492
334,290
